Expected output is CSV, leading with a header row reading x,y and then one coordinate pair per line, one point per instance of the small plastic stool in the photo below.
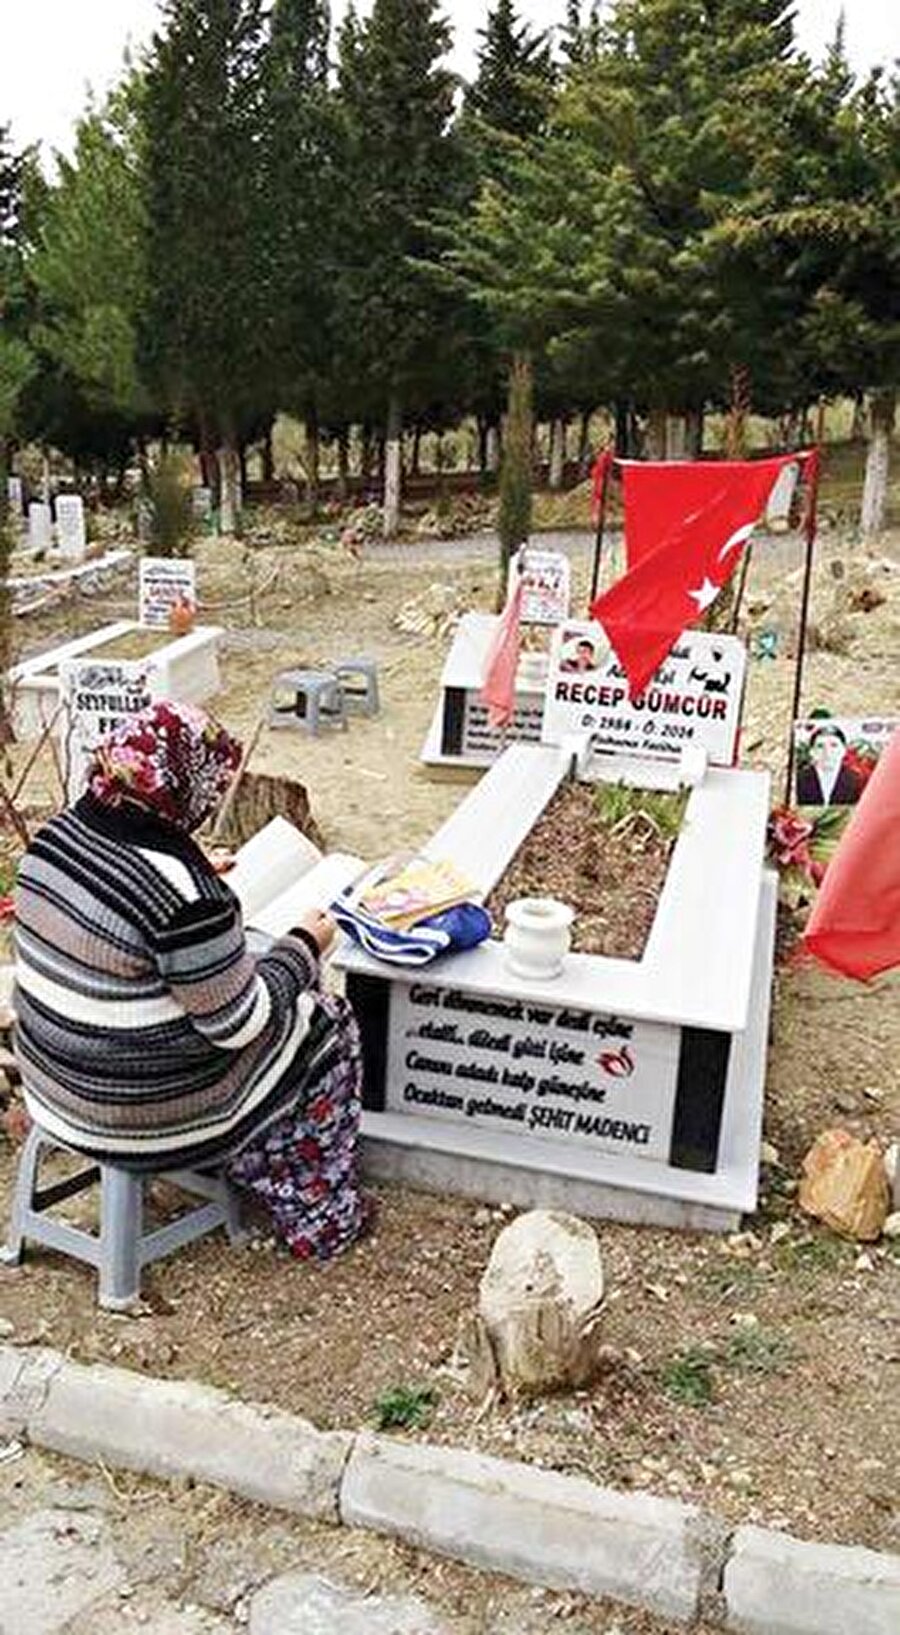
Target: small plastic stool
x,y
359,684
122,1249
316,699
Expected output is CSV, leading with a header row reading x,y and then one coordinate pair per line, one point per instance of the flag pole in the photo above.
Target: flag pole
x,y
602,469
812,468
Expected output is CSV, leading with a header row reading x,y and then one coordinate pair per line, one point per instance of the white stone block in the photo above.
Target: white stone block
x,y
777,1585
172,1428
559,1531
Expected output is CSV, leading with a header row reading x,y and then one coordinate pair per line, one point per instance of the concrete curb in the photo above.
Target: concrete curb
x,y
560,1531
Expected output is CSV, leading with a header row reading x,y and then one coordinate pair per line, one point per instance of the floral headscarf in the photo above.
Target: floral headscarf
x,y
171,759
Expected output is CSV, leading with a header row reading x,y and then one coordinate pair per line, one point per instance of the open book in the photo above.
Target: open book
x,y
280,874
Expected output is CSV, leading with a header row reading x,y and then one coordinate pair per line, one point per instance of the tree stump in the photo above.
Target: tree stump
x,y
539,1306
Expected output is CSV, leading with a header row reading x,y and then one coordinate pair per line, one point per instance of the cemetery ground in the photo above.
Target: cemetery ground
x,y
757,1374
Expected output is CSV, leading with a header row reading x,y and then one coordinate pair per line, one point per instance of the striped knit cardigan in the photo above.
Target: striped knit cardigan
x,y
147,1033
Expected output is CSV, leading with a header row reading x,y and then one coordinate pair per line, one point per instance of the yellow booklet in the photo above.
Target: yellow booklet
x,y
420,889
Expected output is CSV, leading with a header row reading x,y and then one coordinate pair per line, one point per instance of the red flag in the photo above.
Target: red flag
x,y
499,688
687,524
855,925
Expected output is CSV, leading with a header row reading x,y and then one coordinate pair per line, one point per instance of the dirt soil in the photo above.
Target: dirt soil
x,y
757,1375
611,876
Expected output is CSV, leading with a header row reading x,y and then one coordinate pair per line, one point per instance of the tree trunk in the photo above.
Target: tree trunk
x,y
229,488
693,427
313,451
676,437
557,453
242,465
623,430
393,467
343,455
883,407
657,424
416,465
584,444
483,432
268,457
858,423
493,449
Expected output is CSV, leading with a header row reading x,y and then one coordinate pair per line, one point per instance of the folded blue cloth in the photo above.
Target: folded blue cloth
x,y
461,927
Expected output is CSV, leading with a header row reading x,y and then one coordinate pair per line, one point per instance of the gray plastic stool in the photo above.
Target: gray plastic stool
x,y
123,1248
359,684
316,696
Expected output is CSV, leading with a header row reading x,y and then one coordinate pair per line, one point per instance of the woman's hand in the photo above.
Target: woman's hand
x,y
319,926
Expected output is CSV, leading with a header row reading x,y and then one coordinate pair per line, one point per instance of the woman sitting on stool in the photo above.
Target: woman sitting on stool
x,y
148,1034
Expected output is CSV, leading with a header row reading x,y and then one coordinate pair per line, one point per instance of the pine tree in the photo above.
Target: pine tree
x,y
303,197
209,251
399,167
89,265
513,85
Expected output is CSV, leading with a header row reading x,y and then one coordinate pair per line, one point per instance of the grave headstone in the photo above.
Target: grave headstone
x,y
15,496
40,526
461,733
547,585
201,499
98,695
71,533
694,698
165,582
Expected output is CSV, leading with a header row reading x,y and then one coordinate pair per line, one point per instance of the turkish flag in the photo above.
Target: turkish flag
x,y
686,525
855,924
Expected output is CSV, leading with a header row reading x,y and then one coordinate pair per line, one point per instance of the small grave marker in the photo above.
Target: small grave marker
x,y
165,583
40,526
547,585
71,533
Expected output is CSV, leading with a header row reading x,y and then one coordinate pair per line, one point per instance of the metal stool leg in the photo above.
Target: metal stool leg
x,y
120,1244
23,1197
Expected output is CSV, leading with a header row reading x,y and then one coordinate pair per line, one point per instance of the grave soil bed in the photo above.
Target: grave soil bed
x,y
137,644
610,872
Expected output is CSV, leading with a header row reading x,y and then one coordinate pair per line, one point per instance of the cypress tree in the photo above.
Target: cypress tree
x,y
208,255
400,170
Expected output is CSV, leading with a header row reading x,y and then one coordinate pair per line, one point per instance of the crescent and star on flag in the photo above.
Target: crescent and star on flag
x,y
705,594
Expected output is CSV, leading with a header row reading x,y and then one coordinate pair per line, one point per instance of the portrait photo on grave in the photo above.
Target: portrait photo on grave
x,y
836,756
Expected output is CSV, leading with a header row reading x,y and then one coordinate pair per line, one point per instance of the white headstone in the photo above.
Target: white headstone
x,y
547,577
40,526
202,503
165,582
71,534
98,695
15,496
694,698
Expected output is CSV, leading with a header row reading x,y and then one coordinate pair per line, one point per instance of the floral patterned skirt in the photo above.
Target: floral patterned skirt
x,y
302,1168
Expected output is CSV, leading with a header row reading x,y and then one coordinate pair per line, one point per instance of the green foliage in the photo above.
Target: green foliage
x,y
204,341
752,1350
513,87
687,1378
89,266
169,506
651,810
405,1407
516,471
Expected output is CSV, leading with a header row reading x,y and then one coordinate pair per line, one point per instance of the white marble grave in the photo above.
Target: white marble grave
x,y
40,526
460,734
629,1089
186,669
